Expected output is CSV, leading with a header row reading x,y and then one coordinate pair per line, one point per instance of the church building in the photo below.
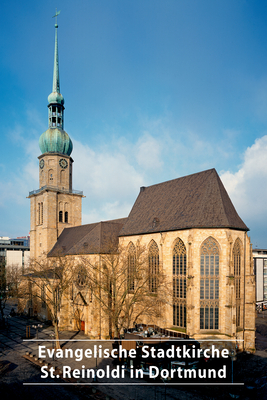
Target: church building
x,y
189,226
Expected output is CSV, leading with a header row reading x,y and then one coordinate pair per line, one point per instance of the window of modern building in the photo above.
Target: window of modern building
x,y
265,279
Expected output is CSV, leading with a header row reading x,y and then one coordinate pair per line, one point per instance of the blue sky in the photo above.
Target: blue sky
x,y
153,90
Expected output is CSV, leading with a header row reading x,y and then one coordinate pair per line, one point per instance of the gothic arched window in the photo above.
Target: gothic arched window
x,y
66,212
179,283
131,267
237,275
60,216
209,285
153,266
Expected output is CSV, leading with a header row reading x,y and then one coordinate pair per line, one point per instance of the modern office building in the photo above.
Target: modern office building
x,y
14,252
260,268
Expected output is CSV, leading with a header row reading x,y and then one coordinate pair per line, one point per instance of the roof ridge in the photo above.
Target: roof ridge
x,y
193,201
79,243
113,221
222,189
181,177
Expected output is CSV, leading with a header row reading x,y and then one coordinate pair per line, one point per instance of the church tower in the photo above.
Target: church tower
x,y
55,205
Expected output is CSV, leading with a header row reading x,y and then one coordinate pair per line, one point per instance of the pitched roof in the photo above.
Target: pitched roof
x,y
194,201
94,238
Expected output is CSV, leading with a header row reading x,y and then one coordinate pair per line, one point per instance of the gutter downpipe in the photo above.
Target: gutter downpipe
x,y
100,298
244,294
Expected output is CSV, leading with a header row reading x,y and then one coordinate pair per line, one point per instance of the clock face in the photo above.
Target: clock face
x,y
41,164
63,163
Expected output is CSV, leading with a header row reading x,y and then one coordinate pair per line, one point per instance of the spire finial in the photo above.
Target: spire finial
x,y
56,87
56,14
55,99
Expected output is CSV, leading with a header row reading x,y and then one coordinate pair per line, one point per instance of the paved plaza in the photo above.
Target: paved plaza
x,y
16,370
14,346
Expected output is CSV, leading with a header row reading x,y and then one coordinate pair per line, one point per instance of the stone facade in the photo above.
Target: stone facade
x,y
209,269
55,205
81,308
55,171
200,244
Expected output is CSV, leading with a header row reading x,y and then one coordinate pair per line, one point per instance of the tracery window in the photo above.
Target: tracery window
x,y
153,266
209,285
237,275
179,283
131,267
81,277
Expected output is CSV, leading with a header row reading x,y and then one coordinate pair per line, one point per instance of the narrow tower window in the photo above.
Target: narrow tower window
x,y
60,216
50,175
38,214
41,213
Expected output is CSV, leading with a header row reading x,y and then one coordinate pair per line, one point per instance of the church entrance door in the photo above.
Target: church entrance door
x,y
82,326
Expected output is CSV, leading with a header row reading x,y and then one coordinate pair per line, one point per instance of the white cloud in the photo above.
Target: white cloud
x,y
16,182
109,181
107,211
248,186
149,152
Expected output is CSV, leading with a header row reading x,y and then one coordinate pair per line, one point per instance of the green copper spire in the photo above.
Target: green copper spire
x,y
55,139
56,97
56,87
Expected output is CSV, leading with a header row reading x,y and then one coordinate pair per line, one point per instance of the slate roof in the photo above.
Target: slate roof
x,y
194,201
94,238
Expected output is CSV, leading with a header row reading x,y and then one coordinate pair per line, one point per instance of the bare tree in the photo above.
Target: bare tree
x,y
125,286
13,279
45,284
3,288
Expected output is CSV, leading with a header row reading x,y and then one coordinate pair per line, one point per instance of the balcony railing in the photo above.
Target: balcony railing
x,y
57,189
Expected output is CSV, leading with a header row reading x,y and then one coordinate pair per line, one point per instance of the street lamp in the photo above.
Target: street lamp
x,y
52,335
6,317
233,358
36,327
